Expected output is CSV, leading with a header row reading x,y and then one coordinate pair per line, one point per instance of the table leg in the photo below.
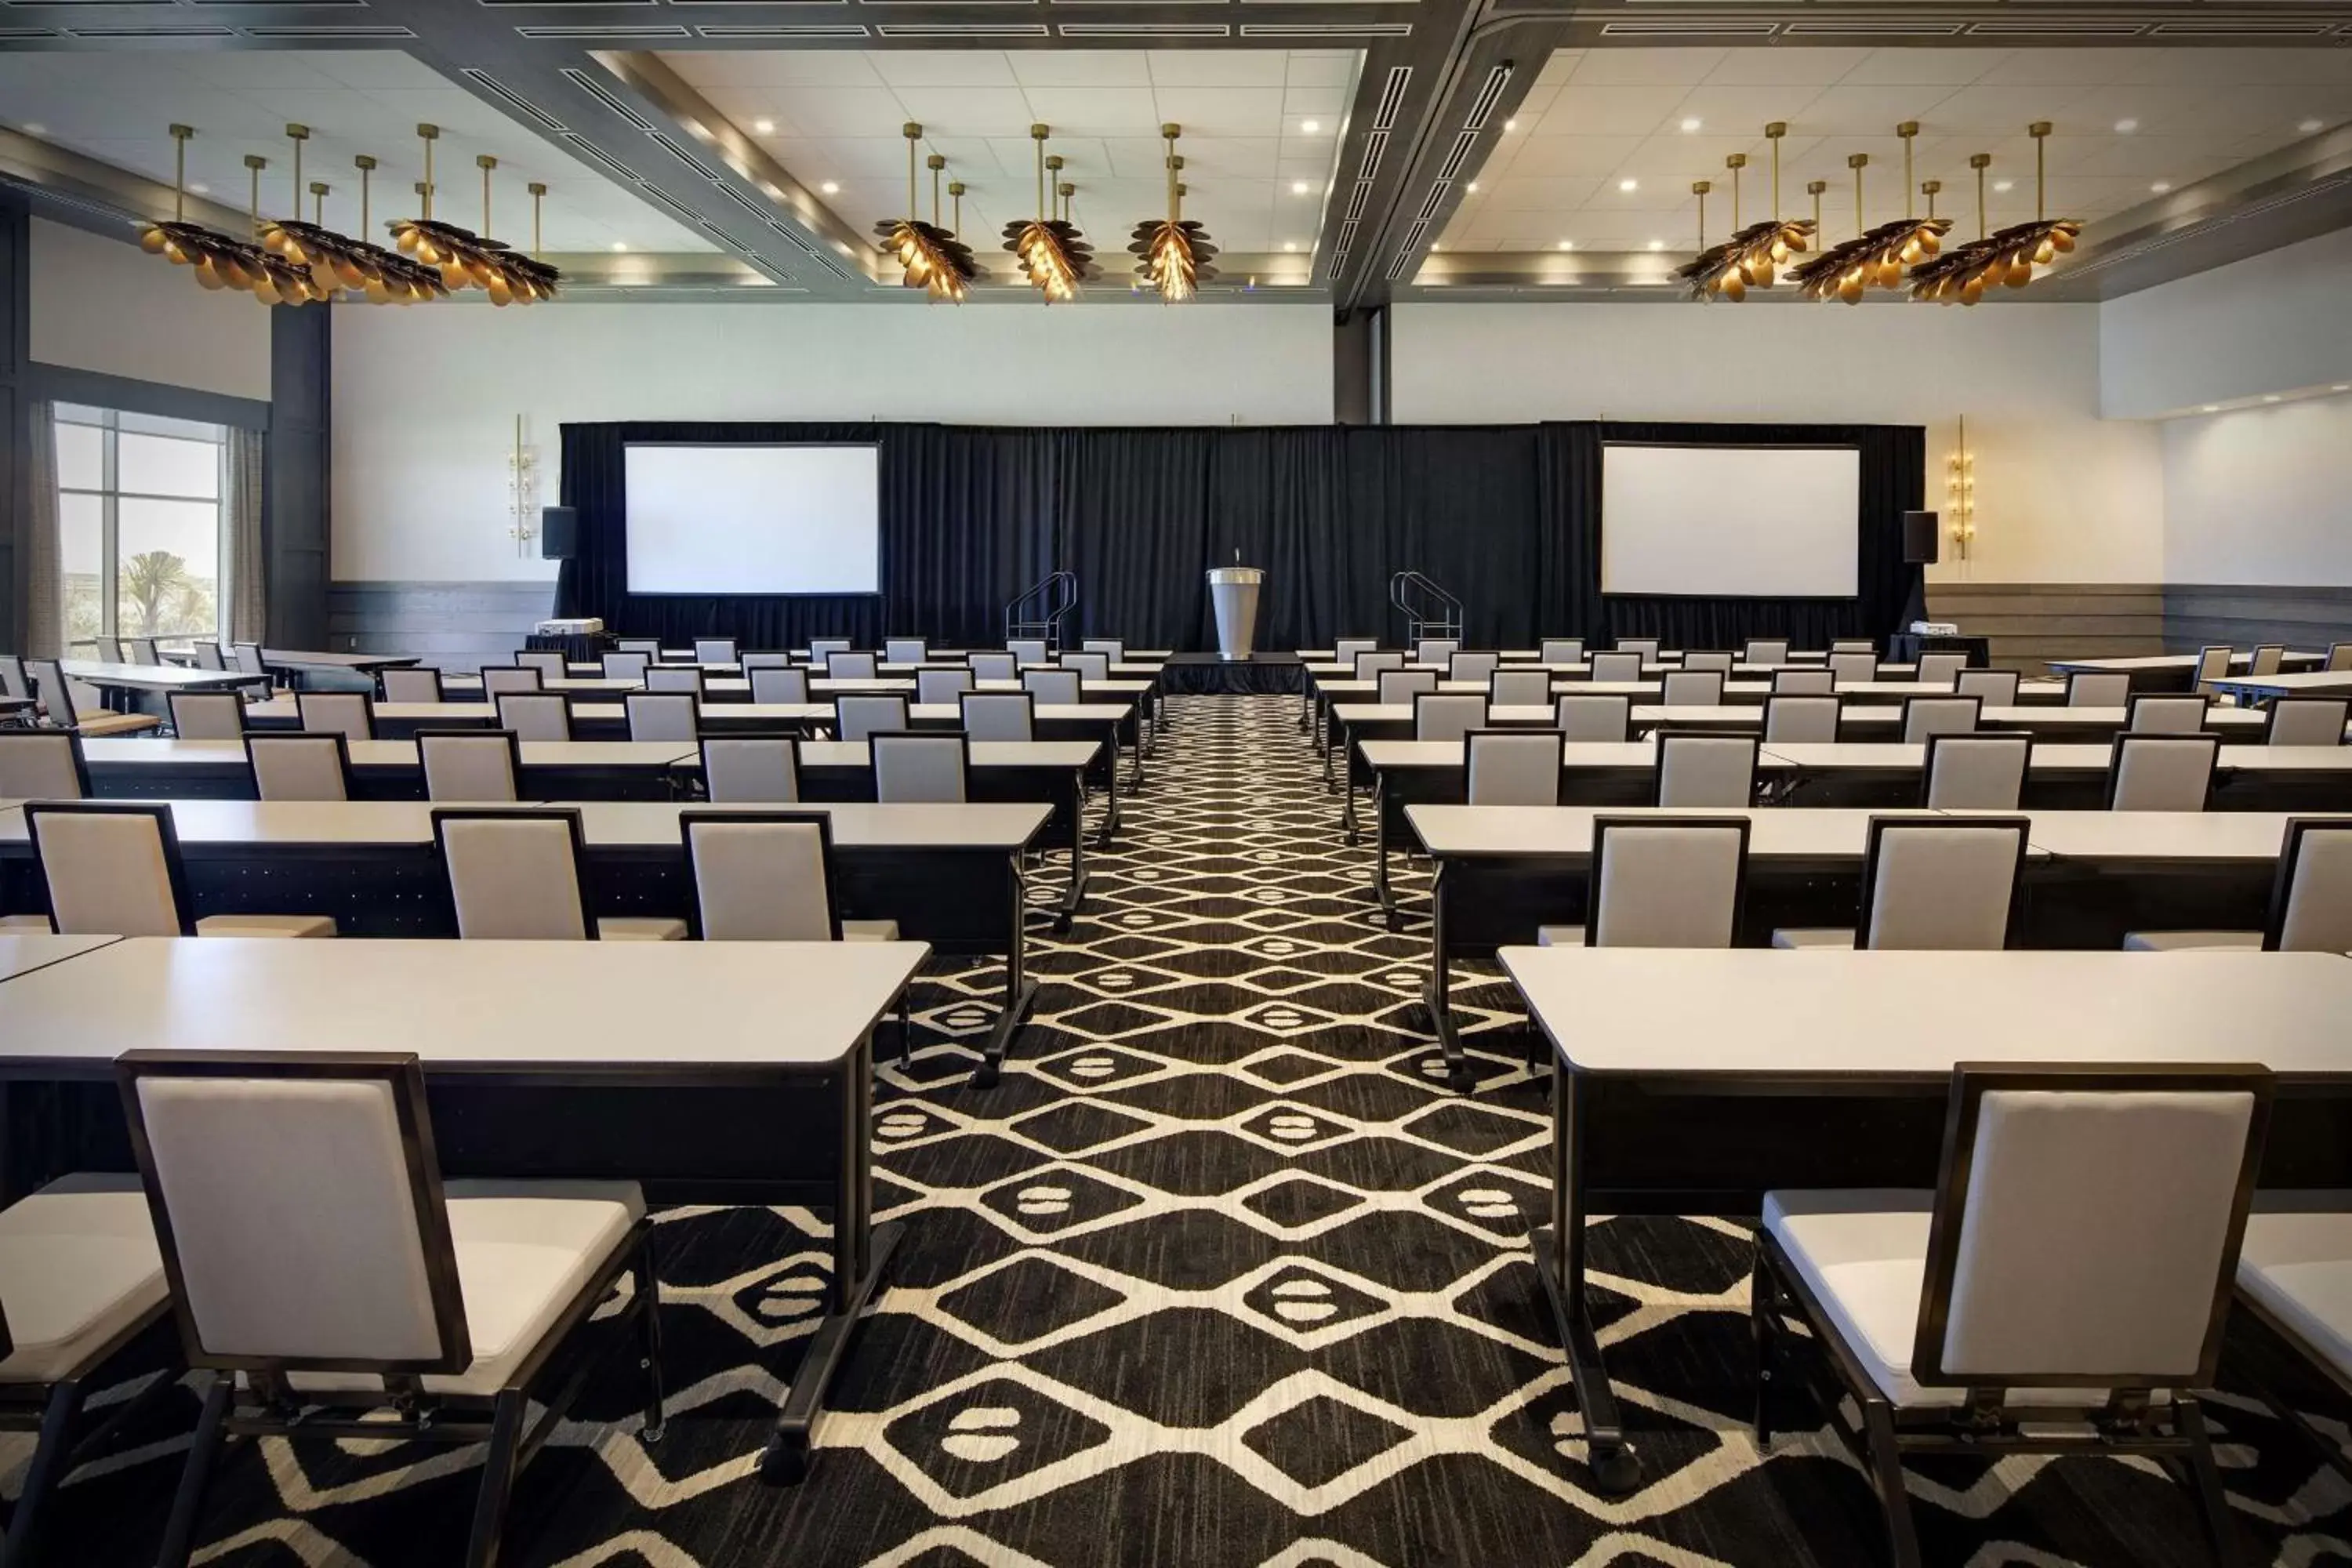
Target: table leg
x,y
1560,1263
1350,827
1380,888
861,1253
1438,997
1020,992
1110,815
1306,703
1136,782
1329,739
1078,892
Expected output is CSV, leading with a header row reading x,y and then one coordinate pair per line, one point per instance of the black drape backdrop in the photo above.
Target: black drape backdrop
x,y
1507,518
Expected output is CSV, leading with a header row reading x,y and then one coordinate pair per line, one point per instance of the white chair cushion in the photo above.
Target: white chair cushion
x,y
1560,936
2298,1266
78,1265
266,925
22,924
869,931
1816,938
524,1251
639,928
2192,941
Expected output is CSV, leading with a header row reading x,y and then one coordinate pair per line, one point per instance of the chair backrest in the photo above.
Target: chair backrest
x,y
1850,667
924,766
1617,666
1053,686
110,649
763,876
52,690
1345,650
904,650
351,714
2213,662
1706,770
993,666
296,766
13,681
536,715
1925,716
2165,713
1766,650
1941,669
2267,659
207,715
941,685
2311,906
780,685
649,647
1641,648
753,768
501,679
1803,683
626,666
1114,649
820,648
856,715
1666,881
143,650
2307,722
2086,1225
1520,688
421,683
1854,644
549,663
1693,689
1801,719
208,655
714,650
1561,650
1404,685
1514,767
1582,716
1715,661
299,1210
1447,715
851,667
769,660
470,764
1946,884
42,764
248,655
1472,666
1992,688
514,875
1983,771
1027,650
2339,657
663,716
112,869
686,677
1088,666
1372,661
999,715
2097,689
1436,650
2161,773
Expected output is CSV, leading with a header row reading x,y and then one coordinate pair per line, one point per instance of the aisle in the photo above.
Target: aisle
x,y
1219,1274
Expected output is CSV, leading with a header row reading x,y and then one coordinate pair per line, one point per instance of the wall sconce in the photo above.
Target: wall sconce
x,y
523,493
1960,492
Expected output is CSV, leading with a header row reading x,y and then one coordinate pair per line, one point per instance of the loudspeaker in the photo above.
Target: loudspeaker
x,y
559,533
1921,538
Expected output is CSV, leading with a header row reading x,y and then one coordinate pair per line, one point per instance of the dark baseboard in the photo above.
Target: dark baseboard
x,y
457,626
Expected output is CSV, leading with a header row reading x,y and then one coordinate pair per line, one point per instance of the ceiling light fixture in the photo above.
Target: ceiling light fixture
x,y
465,257
1874,258
2126,127
831,187
2270,397
1752,258
2210,408
33,128
1691,124
218,260
2002,187
1629,185
2341,386
1052,251
1567,244
619,244
334,261
1309,127
929,256
764,127
1293,245
1472,188
2161,186
2007,256
1658,245
1301,187
2308,127
1175,250
1510,125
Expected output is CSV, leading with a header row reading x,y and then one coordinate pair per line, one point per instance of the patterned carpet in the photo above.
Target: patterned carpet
x,y
1220,1274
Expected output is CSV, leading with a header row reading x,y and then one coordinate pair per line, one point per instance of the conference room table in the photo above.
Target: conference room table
x,y
2303,683
299,662
1394,720
388,770
120,686
1691,1082
2061,774
2173,671
736,1100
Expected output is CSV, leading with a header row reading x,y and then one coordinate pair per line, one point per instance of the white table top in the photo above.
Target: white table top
x,y
856,825
620,1005
2153,662
357,823
2163,835
1565,832
158,677
1061,712
568,683
2304,683
319,658
1388,754
2059,757
1756,1011
129,752
985,754
21,955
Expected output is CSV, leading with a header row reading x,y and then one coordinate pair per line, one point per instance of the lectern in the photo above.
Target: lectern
x,y
1233,590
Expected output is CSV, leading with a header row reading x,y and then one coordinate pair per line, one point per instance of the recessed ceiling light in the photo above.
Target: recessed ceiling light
x,y
1293,245
764,127
33,129
1472,187
1629,185
1301,187
2270,397
2161,186
2210,408
197,187
2307,127
1309,127
1693,124
1568,245
2341,386
620,245
1435,247
831,187
1658,245
2126,127
1510,125
2004,184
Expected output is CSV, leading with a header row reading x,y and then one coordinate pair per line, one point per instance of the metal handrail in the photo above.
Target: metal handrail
x,y
1429,610
1039,610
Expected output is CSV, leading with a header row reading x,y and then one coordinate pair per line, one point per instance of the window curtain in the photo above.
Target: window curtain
x,y
44,621
248,602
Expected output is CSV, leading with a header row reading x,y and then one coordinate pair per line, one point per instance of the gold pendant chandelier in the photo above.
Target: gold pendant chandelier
x,y
1176,251
218,260
466,259
1053,254
336,261
1754,255
931,257
2006,257
1875,257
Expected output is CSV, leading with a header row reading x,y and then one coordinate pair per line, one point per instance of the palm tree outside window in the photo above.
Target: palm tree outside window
x,y
139,525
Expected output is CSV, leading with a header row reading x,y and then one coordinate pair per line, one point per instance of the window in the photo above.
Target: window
x,y
139,524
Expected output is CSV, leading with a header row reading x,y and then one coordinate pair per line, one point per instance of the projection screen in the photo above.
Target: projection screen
x,y
754,519
1733,521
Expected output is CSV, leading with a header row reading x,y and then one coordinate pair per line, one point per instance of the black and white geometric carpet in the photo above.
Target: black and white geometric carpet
x,y
1220,1273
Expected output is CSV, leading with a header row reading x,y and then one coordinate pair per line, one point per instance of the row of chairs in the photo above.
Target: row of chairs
x,y
1937,670
1571,650
2214,659
1063,683
208,655
895,651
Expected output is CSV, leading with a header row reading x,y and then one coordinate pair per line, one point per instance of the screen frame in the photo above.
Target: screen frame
x,y
1601,537
629,576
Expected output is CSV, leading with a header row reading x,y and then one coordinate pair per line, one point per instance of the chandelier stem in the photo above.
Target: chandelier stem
x,y
937,163
912,133
1907,130
180,134
1772,133
2039,131
488,164
538,194
366,166
429,133
1857,162
1980,162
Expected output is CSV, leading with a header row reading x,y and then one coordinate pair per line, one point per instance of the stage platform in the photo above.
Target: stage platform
x,y
1196,674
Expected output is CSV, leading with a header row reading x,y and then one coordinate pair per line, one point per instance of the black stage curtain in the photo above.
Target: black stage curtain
x,y
1506,518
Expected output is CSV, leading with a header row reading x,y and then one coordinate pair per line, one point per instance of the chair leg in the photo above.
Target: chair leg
x,y
498,1479
2205,1481
179,1531
1887,1474
50,1465
1768,1349
649,1327
906,1030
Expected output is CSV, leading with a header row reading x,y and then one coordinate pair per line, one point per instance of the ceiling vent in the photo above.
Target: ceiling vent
x,y
786,30
1384,114
1489,96
587,82
511,98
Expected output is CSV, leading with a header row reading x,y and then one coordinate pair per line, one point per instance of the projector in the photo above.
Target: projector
x,y
1934,628
588,626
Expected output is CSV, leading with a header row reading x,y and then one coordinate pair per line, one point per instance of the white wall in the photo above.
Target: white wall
x,y
2260,495
426,399
2063,496
100,304
2277,322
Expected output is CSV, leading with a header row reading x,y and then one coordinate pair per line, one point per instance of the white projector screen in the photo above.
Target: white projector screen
x,y
755,519
1736,521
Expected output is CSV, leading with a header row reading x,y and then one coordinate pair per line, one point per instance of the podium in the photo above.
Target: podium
x,y
1232,591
